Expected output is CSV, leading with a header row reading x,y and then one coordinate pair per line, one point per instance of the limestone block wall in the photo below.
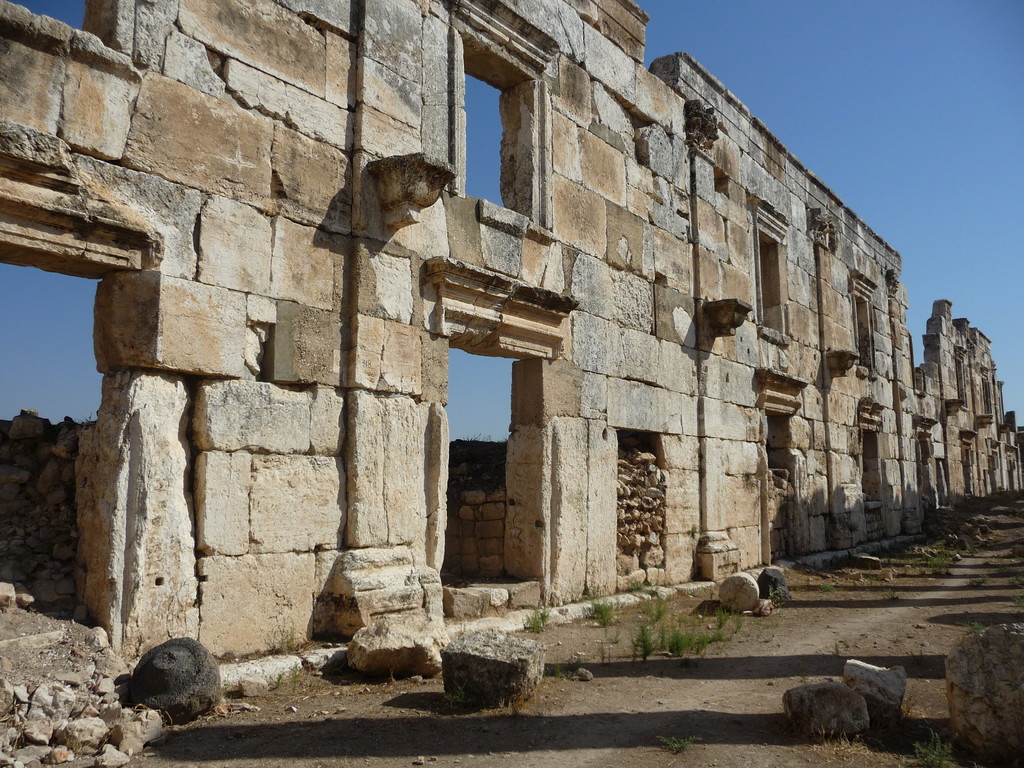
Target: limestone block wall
x,y
272,193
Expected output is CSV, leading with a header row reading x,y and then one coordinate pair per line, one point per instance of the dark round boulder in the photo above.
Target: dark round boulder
x,y
180,678
771,584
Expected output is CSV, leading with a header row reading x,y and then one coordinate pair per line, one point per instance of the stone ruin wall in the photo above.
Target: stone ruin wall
x,y
641,485
272,195
38,527
477,507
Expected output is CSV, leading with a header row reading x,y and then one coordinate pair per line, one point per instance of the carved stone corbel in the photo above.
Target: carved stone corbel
x,y
407,184
701,125
824,228
724,316
840,361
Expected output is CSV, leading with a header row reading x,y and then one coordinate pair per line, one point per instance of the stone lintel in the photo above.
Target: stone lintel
x,y
501,32
47,219
779,393
487,313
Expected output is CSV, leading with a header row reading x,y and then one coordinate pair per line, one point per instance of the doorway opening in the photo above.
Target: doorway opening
x,y
479,411
51,393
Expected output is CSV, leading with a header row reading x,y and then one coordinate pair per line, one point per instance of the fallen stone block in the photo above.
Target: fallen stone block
x,y
882,689
492,669
179,677
984,679
739,593
400,645
826,709
866,562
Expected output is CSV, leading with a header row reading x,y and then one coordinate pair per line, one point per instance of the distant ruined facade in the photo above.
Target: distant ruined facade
x,y
713,367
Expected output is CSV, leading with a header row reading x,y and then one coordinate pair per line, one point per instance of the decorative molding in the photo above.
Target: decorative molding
x,y
481,310
954,405
771,222
840,361
701,125
506,34
779,393
49,219
407,184
983,420
724,316
861,286
824,228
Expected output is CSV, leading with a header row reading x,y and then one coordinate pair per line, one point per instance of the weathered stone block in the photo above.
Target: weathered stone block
x,y
262,34
132,468
190,137
303,264
30,85
97,107
327,421
149,320
234,246
169,210
580,216
222,502
313,180
276,590
304,346
823,709
492,669
311,115
297,503
188,62
385,356
387,503
252,416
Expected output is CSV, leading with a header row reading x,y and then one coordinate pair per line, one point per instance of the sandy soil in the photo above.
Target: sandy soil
x,y
728,700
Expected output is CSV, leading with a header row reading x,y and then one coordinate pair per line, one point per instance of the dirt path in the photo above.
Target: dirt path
x,y
729,700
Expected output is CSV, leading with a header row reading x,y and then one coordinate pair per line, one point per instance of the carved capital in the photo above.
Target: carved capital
x,y
701,125
407,184
824,228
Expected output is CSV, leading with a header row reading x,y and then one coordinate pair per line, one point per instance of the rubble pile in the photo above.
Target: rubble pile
x,y
62,696
641,517
38,531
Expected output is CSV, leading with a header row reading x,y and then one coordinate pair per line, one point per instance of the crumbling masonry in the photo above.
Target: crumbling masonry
x,y
271,194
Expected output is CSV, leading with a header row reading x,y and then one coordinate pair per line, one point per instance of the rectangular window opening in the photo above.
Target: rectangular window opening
x,y
771,306
484,134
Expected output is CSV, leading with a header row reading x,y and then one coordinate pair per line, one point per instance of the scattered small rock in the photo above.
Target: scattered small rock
x,y
583,675
110,757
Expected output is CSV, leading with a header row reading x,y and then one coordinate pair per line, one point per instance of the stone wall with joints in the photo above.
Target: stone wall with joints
x,y
273,431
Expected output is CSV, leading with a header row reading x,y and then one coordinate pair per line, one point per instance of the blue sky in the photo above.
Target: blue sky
x,y
910,110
